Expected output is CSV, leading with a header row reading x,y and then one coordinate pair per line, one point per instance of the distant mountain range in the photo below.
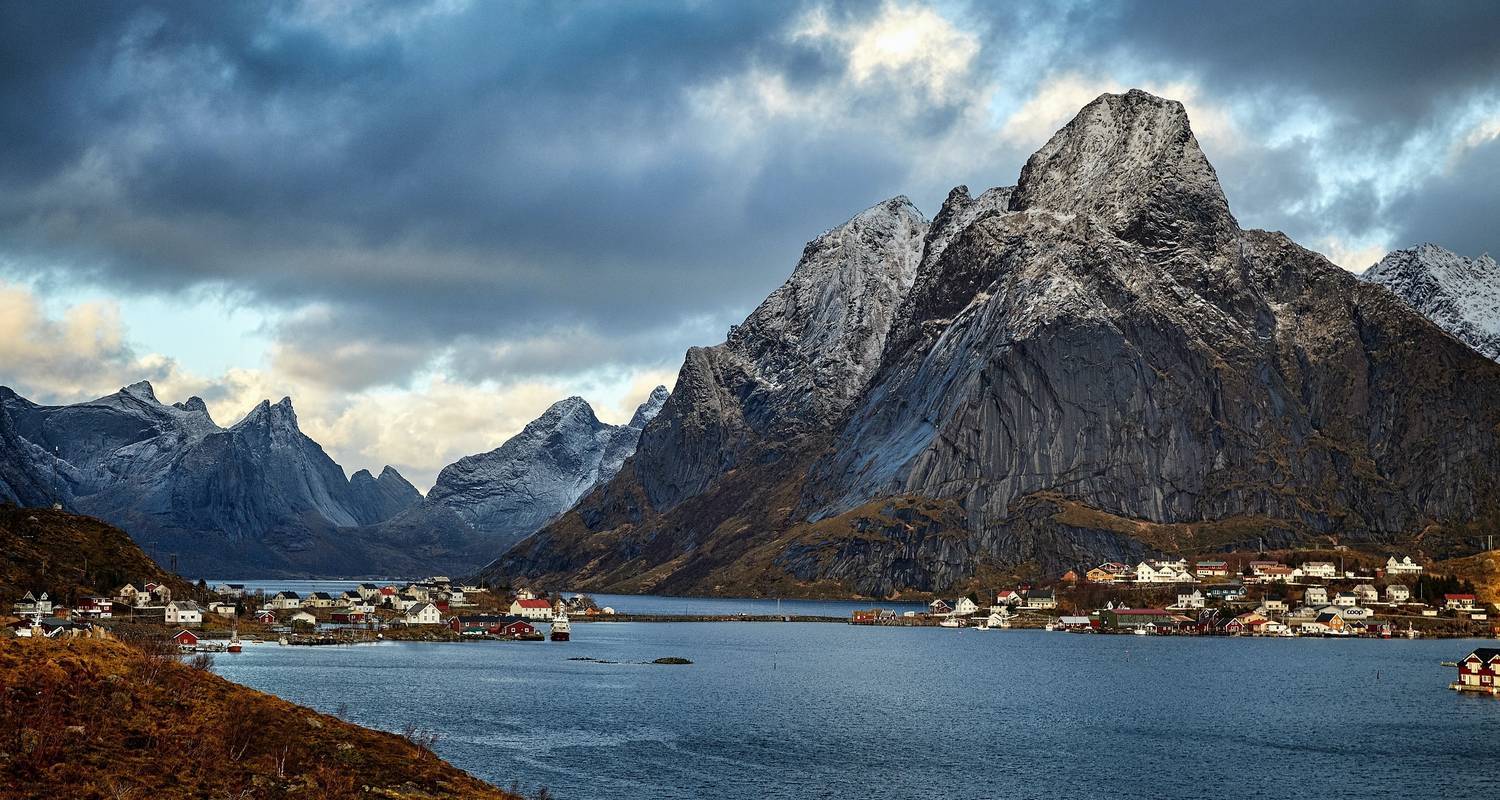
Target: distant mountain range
x,y
260,498
1095,364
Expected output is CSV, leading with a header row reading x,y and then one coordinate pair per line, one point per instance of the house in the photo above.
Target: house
x,y
368,591
1403,566
1367,593
964,607
264,617
483,624
1302,614
1041,598
33,605
1316,596
937,608
1345,600
1162,572
518,629
1272,605
95,608
360,607
1456,602
423,614
1138,617
1397,593
1008,597
1479,671
304,618
1211,569
1319,569
126,594
1225,591
1325,623
227,610
403,601
183,613
286,600
159,592
230,590
1276,573
1245,624
318,600
186,639
1193,599
1108,572
1259,567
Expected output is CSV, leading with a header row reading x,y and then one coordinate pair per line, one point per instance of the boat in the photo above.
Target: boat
x,y
560,628
234,643
951,622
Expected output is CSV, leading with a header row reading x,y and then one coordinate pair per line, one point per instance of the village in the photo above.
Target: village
x,y
434,609
1248,597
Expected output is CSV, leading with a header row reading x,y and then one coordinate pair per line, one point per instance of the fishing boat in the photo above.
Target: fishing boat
x,y
234,643
560,628
951,622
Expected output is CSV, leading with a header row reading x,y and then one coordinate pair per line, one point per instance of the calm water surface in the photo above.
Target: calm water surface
x,y
777,710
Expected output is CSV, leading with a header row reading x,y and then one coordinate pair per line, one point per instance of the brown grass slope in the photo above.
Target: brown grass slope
x,y
91,719
68,556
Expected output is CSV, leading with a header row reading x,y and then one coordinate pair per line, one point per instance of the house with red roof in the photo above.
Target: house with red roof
x,y
531,608
1459,602
1479,672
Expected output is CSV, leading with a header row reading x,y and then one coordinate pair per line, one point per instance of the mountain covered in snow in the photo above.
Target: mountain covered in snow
x,y
503,495
1460,294
1096,363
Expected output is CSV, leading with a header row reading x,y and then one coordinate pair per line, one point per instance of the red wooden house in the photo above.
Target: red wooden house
x,y
1480,672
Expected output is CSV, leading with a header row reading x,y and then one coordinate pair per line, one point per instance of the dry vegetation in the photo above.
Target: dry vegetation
x,y
68,556
101,719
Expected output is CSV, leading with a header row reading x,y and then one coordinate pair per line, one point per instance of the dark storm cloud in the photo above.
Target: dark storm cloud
x,y
440,181
1458,207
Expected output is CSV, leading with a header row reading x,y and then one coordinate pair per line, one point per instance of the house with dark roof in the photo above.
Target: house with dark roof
x,y
1479,671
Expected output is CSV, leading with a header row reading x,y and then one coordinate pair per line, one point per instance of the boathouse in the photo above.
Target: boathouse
x,y
1479,672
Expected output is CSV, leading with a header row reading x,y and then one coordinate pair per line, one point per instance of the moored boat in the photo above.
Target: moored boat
x,y
561,629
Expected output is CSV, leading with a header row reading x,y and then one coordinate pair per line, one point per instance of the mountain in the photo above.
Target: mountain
x,y
70,556
499,497
1461,295
259,497
1097,363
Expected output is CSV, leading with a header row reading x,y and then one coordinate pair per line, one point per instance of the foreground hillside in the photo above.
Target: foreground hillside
x,y
1079,368
69,556
84,719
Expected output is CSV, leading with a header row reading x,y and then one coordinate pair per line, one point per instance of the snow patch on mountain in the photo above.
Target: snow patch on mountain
x,y
1461,295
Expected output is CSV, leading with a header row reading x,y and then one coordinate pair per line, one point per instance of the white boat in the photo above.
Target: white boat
x,y
951,622
561,630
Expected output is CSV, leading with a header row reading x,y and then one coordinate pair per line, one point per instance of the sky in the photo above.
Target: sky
x,y
426,222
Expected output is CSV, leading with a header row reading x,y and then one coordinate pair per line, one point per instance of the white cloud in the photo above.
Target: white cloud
x,y
1353,256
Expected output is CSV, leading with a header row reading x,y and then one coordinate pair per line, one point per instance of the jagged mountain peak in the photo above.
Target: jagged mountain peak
x,y
194,404
1131,162
648,410
141,390
1460,294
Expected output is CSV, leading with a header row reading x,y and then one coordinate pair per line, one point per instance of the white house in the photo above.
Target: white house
x,y
1319,569
1403,566
1193,599
1397,593
285,600
368,591
1459,602
964,607
1007,597
1367,593
1345,600
304,618
31,604
183,614
222,609
423,614
533,608
1041,598
318,600
230,590
1272,605
1162,572
1316,596
126,594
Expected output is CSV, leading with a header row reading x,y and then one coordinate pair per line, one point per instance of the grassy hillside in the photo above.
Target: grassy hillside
x,y
1482,569
67,556
99,719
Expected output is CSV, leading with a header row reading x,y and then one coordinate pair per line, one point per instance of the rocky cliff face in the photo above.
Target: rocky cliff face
x,y
499,497
1461,295
1096,364
259,497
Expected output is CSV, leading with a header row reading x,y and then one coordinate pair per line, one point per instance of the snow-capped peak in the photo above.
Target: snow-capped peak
x,y
1461,295
648,410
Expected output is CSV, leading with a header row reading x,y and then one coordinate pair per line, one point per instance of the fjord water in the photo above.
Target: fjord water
x,y
806,710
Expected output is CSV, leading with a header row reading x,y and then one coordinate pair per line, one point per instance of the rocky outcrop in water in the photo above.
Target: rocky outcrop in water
x,y
1096,364
1461,295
